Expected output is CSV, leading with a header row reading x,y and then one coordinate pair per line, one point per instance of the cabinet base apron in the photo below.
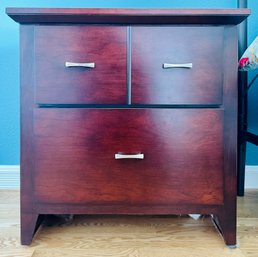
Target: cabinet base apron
x,y
30,223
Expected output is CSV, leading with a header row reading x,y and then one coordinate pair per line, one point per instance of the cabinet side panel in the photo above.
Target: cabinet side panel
x,y
30,220
226,219
26,102
230,123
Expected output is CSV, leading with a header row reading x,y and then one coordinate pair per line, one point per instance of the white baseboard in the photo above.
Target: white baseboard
x,y
10,176
251,176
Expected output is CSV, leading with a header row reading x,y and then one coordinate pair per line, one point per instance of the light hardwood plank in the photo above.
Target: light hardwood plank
x,y
191,252
17,253
98,252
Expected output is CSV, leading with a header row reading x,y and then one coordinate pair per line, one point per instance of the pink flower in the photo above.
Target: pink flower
x,y
243,62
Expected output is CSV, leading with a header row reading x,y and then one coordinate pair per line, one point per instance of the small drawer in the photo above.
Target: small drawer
x,y
177,65
129,156
80,65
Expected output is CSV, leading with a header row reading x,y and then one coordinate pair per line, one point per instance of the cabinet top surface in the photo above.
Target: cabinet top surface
x,y
128,16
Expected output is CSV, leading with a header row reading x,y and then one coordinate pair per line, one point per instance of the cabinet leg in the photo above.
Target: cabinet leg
x,y
227,227
30,222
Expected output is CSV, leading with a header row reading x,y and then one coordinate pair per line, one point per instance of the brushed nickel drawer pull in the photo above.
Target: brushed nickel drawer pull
x,y
180,65
80,64
129,156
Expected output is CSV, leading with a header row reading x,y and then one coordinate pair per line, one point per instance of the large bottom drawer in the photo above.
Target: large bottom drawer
x,y
75,156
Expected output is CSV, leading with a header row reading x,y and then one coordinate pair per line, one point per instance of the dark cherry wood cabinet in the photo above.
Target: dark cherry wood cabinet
x,y
128,111
69,140
200,47
104,47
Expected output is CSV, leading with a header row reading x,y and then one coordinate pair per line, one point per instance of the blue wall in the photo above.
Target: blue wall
x,y
9,62
252,150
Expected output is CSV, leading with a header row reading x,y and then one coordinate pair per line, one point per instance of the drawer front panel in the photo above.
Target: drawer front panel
x,y
154,49
102,48
75,156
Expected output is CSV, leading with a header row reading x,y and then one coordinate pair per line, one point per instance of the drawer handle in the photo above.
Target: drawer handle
x,y
174,65
129,156
80,64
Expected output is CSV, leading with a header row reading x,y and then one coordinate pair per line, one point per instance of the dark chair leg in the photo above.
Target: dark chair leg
x,y
242,128
241,169
242,104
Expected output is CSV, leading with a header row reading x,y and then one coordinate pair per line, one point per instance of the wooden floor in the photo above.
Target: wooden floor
x,y
98,236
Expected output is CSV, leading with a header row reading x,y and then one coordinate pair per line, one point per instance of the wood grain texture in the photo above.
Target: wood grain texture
x,y
90,236
28,216
75,151
128,16
104,84
227,217
153,46
68,161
